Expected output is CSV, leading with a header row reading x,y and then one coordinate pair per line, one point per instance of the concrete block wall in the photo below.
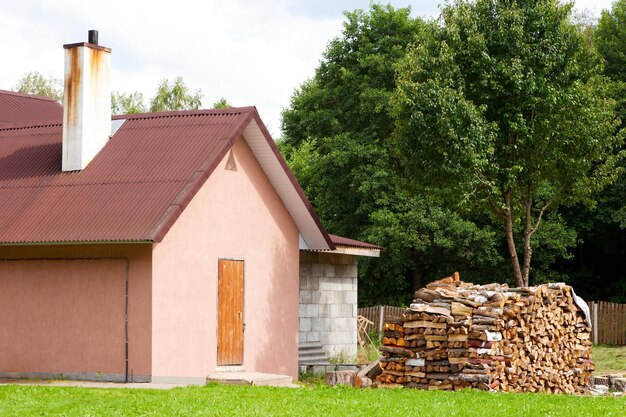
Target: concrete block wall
x,y
328,301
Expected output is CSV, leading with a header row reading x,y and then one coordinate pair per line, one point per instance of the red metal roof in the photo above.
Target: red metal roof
x,y
133,190
344,241
16,108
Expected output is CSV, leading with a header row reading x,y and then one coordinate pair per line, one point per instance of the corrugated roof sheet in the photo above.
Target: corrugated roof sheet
x,y
344,241
133,190
17,108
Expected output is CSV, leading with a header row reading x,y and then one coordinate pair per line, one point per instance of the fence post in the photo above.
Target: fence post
x,y
381,320
594,313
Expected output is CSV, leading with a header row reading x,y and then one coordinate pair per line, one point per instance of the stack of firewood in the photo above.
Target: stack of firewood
x,y
457,335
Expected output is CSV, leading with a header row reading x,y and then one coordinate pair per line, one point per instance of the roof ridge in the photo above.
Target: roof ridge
x,y
30,96
185,113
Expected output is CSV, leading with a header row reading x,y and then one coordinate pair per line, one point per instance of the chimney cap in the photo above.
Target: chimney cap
x,y
92,36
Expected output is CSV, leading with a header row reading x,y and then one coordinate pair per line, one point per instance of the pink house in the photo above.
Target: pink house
x,y
155,247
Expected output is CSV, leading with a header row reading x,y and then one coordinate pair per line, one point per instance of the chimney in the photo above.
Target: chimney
x,y
86,102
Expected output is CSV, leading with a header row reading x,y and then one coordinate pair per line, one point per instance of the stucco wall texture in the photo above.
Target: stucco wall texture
x,y
62,311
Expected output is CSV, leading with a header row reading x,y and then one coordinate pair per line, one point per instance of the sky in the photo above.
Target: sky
x,y
253,53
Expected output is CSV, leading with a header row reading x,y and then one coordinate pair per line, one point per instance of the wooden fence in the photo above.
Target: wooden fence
x,y
378,315
608,320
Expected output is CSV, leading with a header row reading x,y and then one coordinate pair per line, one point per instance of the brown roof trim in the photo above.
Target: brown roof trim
x,y
292,179
345,241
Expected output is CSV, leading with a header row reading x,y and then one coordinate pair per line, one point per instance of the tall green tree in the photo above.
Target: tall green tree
x,y
336,139
600,253
502,105
127,103
36,83
175,95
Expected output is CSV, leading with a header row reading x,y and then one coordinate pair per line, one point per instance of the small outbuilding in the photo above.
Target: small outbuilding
x,y
153,247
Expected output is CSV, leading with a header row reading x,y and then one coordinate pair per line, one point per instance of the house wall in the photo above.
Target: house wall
x,y
236,215
62,311
328,301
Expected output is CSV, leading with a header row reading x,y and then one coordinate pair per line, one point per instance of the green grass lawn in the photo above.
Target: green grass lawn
x,y
222,400
609,359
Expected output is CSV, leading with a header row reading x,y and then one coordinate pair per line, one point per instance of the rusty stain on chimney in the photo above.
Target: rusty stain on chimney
x,y
72,83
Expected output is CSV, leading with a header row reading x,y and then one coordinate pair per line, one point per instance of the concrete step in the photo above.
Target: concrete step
x,y
251,378
312,353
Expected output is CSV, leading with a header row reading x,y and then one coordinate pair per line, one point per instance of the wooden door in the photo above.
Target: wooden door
x,y
230,313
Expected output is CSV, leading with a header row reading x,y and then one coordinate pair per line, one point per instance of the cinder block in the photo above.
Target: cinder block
x,y
340,271
317,270
324,284
329,324
346,284
340,323
325,310
327,297
305,296
313,283
313,337
347,310
331,284
305,324
329,270
317,324
305,269
352,271
312,310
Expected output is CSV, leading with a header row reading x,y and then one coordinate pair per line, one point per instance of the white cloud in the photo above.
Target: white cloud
x,y
250,52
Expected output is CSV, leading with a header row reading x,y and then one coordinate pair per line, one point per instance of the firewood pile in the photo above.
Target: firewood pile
x,y
457,335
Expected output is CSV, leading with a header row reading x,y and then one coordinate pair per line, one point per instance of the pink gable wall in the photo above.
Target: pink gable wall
x,y
235,215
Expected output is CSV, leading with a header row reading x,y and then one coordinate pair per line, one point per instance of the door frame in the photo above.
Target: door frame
x,y
243,313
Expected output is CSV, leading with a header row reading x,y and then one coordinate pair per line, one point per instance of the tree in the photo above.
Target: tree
x,y
336,140
222,103
127,103
36,83
175,96
502,106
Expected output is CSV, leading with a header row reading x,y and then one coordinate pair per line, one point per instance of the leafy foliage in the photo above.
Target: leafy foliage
x,y
222,103
175,95
337,140
127,103
36,83
503,107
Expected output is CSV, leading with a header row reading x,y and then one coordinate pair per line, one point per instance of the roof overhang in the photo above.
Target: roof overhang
x,y
313,236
